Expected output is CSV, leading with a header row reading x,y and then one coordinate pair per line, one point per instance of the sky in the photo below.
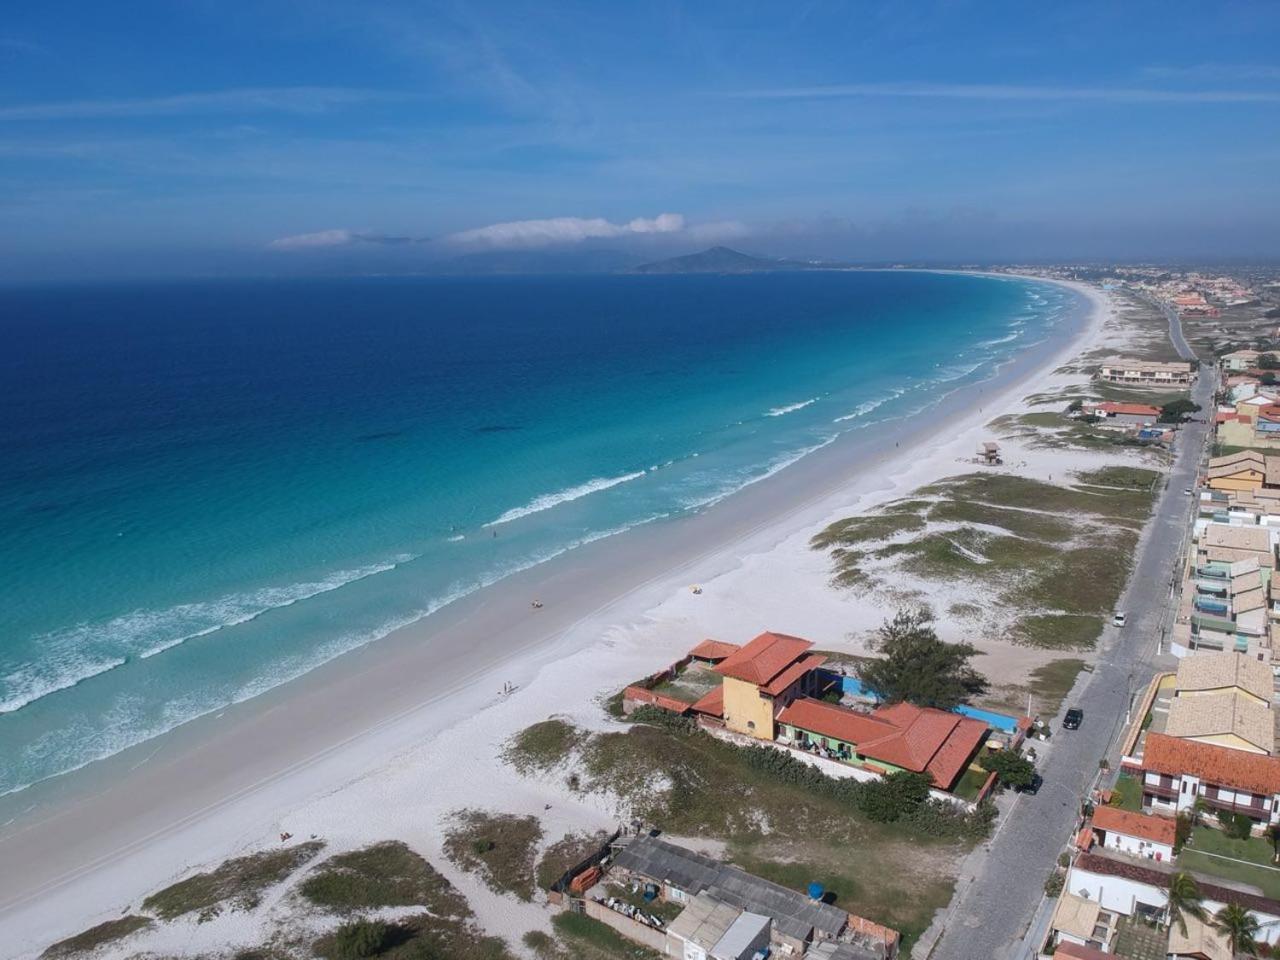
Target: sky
x,y
195,137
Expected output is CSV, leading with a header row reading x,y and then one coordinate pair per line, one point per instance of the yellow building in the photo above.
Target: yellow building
x,y
1241,471
763,677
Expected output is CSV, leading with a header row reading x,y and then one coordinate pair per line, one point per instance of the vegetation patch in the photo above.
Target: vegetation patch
x,y
383,875
783,818
565,854
238,883
856,530
587,939
500,847
94,937
1051,683
422,937
542,746
1057,631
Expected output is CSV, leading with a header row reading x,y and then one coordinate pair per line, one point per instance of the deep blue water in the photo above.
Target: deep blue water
x,y
209,488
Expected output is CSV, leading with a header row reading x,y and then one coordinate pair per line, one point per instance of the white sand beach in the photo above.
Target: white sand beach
x,y
386,742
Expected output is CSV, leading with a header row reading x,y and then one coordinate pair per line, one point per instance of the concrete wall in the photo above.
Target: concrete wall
x,y
1137,846
745,711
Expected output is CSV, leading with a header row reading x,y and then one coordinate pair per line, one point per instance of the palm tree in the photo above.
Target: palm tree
x,y
1239,926
1183,901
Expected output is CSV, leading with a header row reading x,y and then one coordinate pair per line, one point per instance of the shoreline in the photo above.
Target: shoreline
x,y
226,781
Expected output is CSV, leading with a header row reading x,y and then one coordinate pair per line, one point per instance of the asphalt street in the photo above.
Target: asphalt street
x,y
1004,887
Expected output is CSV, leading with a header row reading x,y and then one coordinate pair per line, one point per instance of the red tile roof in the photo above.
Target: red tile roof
x,y
793,673
828,720
1211,764
712,703
1115,820
1077,951
763,658
1129,409
714,650
914,738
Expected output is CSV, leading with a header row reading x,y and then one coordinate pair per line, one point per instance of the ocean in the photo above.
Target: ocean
x,y
209,488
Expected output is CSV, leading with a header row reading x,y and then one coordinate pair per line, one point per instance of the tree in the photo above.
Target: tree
x,y
1273,834
1268,361
1181,831
1239,926
1013,769
917,667
1175,411
1184,901
897,795
1268,379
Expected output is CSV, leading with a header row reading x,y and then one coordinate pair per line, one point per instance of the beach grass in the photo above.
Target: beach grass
x,y
500,847
237,883
1051,683
382,875
95,937
1057,631
857,530
542,746
423,937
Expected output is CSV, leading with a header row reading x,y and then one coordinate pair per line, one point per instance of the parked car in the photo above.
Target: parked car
x,y
1187,491
1072,720
1120,619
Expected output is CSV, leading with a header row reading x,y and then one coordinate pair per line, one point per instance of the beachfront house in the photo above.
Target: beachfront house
x,y
762,678
888,739
1174,773
1146,373
1224,699
1137,834
1238,361
1246,470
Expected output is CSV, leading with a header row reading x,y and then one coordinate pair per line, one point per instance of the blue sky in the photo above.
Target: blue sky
x,y
196,136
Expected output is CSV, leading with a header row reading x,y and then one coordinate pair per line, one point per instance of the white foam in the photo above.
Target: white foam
x,y
549,500
31,687
457,538
71,656
862,409
791,408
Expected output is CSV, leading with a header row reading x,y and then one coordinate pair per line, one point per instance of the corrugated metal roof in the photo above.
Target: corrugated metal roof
x,y
792,913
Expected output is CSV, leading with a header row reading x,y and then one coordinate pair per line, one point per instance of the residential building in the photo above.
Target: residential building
x,y
1138,834
1245,470
1128,887
1224,699
763,677
888,739
1146,372
1240,360
1175,773
710,929
1253,422
1079,921
796,921
1200,941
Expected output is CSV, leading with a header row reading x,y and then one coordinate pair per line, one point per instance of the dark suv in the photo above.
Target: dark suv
x,y
1072,720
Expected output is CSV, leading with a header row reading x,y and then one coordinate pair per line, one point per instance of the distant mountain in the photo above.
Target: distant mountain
x,y
724,260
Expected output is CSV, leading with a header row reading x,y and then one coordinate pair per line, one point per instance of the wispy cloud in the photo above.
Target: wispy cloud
x,y
996,91
563,230
339,238
243,100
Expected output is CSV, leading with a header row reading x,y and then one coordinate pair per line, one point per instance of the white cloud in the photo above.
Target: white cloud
x,y
564,230
994,91
309,241
302,100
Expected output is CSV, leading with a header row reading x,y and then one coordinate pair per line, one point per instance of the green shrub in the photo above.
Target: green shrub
x,y
1013,769
1053,886
360,938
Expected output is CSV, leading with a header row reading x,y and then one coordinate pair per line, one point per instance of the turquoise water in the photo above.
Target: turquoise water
x,y
211,488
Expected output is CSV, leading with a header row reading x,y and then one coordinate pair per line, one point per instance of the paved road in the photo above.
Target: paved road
x,y
1003,890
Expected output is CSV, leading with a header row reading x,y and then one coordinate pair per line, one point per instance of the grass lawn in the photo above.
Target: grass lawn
x,y
970,784
1208,852
1054,631
238,883
1127,793
583,938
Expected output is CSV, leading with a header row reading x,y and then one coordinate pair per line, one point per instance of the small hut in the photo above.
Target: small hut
x,y
989,453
